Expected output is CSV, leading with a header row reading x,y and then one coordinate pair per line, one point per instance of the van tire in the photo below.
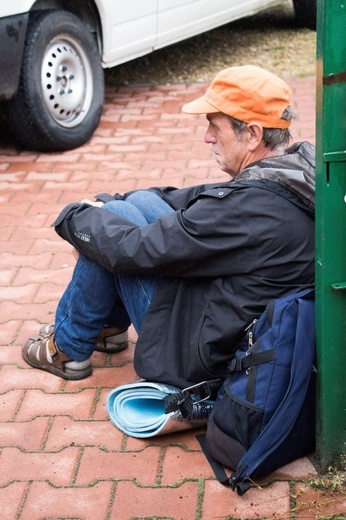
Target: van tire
x,y
60,97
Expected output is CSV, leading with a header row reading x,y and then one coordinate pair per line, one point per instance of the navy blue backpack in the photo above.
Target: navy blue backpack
x,y
264,413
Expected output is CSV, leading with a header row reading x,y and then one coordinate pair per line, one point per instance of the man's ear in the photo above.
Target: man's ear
x,y
255,135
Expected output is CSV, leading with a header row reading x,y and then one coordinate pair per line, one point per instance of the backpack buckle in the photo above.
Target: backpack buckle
x,y
201,395
185,400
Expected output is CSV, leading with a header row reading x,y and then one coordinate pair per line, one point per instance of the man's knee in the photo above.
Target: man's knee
x,y
126,210
141,198
150,204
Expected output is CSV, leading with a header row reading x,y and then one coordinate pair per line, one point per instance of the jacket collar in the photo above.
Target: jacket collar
x,y
295,170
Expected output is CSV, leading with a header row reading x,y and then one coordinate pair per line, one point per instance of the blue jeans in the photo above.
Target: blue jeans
x,y
95,297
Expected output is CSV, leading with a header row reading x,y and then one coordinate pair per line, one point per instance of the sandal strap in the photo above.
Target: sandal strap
x,y
51,346
46,330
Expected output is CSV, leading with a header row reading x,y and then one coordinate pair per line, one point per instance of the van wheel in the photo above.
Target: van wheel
x,y
305,12
61,93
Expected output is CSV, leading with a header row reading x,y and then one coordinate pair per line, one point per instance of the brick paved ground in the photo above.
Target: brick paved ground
x,y
60,457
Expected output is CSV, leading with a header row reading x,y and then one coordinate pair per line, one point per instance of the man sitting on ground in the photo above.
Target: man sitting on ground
x,y
190,268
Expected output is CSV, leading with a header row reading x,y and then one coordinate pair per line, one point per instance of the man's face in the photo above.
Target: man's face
x,y
230,149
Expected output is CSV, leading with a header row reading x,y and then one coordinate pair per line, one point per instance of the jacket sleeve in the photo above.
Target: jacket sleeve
x,y
203,240
177,198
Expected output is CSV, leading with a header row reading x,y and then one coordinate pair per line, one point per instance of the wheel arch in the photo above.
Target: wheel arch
x,y
87,11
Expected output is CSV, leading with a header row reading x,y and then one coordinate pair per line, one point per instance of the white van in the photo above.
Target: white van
x,y
53,53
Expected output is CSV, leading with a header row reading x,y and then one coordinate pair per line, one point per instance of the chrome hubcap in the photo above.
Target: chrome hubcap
x,y
66,80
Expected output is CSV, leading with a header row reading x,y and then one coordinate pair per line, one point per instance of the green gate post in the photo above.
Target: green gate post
x,y
330,229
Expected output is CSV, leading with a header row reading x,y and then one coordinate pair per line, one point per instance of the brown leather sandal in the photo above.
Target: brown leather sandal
x,y
111,339
43,353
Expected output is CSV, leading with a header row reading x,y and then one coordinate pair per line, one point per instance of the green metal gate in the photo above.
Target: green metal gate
x,y
331,229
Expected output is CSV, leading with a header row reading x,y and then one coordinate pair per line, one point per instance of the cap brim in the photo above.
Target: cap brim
x,y
199,106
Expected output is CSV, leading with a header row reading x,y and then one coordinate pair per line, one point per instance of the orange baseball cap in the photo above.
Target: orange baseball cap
x,y
247,93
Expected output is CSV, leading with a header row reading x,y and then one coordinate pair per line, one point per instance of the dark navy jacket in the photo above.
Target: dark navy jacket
x,y
225,252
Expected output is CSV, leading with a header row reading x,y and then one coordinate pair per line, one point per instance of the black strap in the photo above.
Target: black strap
x,y
241,486
218,468
184,400
239,364
183,403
